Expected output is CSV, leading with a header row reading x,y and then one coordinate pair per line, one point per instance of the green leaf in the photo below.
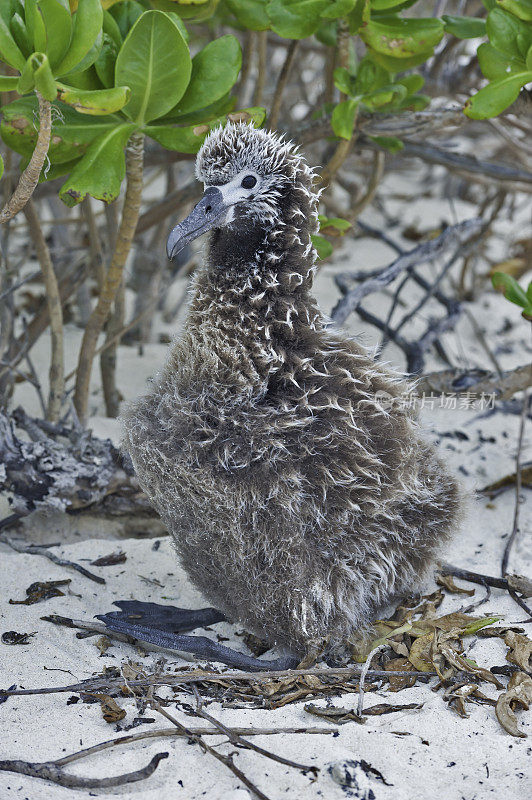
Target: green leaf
x,y
214,73
390,143
72,133
370,76
495,65
412,83
89,59
343,118
464,27
402,38
251,13
38,74
101,170
35,25
18,31
520,8
394,92
508,34
101,101
343,81
395,65
529,292
382,5
9,51
296,19
182,139
188,139
508,286
323,247
339,8
155,63
222,106
106,61
358,16
496,96
110,27
478,624
58,27
339,224
8,83
87,24
126,14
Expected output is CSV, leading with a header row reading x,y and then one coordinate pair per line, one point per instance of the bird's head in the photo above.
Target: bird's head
x,y
246,173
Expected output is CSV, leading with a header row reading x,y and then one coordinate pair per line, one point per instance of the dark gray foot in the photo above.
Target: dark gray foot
x,y
161,626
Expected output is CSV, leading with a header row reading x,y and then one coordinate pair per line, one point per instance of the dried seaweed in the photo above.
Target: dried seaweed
x,y
41,590
13,637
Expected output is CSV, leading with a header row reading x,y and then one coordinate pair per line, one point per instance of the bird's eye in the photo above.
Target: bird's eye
x,y
249,182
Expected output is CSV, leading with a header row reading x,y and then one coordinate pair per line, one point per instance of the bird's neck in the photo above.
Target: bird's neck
x,y
251,306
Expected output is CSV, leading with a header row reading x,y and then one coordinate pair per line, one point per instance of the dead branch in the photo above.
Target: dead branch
x,y
52,771
61,562
455,236
473,168
477,382
515,526
203,676
236,738
226,760
30,177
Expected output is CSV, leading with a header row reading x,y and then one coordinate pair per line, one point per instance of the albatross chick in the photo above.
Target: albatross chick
x,y
299,500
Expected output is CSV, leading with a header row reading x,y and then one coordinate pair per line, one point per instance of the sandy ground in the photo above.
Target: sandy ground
x,y
420,753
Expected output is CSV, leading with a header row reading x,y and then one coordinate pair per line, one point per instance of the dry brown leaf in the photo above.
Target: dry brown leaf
x,y
419,654
398,682
517,695
111,711
463,663
448,583
516,267
342,715
103,643
520,651
110,560
493,489
456,696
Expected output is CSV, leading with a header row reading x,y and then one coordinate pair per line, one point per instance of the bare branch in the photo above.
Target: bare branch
x,y
426,252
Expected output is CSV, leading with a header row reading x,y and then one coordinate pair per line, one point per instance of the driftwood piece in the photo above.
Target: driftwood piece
x,y
53,771
63,468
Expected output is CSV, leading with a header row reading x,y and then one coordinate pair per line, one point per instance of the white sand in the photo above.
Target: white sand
x,y
440,753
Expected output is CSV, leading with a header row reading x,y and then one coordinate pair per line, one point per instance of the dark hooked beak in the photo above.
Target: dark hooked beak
x,y
202,218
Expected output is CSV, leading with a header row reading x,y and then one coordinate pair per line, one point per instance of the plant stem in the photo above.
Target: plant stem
x,y
55,311
126,232
30,177
261,67
281,83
